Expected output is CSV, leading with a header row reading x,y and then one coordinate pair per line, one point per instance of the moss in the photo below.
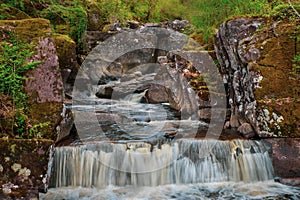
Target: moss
x,y
95,20
11,13
279,90
44,85
66,50
29,30
40,114
73,18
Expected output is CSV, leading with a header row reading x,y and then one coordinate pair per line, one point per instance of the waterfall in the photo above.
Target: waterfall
x,y
141,164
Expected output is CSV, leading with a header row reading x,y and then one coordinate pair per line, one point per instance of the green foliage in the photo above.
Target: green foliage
x,y
13,66
296,66
207,15
16,3
35,130
114,11
285,11
75,16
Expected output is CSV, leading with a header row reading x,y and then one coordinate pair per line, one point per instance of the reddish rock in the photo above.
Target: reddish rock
x,y
285,156
43,85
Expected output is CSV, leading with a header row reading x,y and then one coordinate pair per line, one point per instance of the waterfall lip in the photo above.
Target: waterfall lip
x,y
96,63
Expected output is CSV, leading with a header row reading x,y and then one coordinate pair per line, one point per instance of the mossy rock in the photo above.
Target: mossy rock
x,y
11,13
29,30
71,20
288,110
66,51
30,7
279,90
43,84
94,15
24,163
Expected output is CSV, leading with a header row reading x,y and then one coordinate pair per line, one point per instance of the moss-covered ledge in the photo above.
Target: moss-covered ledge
x,y
23,167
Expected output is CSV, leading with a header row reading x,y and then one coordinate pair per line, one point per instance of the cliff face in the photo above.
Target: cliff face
x,y
255,57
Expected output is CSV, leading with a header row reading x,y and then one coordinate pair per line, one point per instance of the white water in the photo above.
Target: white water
x,y
200,191
182,162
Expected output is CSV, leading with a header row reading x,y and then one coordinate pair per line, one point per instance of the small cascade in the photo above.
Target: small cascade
x,y
141,164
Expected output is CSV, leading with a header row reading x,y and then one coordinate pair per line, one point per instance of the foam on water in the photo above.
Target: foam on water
x,y
201,191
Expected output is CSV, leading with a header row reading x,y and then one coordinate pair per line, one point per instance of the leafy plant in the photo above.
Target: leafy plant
x,y
35,130
13,66
75,16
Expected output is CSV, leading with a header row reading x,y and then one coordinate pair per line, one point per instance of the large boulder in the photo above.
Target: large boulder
x,y
44,84
255,57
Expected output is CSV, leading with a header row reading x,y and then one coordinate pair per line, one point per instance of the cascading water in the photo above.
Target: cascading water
x,y
132,150
183,162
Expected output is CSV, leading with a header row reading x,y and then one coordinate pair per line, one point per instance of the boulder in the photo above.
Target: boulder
x,y
246,130
44,84
255,56
157,94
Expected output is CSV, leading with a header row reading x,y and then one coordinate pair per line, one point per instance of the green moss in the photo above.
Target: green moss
x,y
66,50
11,13
73,19
29,30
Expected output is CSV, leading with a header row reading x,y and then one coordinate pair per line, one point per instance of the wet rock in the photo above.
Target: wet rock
x,y
105,92
289,181
157,94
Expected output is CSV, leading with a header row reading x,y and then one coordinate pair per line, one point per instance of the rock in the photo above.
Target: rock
x,y
92,38
157,94
290,181
25,172
176,25
257,67
285,155
105,92
246,130
44,84
95,20
66,52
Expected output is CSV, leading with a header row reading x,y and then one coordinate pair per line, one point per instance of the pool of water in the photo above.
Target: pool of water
x,y
202,191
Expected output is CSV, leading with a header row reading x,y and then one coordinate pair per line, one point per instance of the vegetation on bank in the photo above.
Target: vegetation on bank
x,y
73,18
205,15
13,66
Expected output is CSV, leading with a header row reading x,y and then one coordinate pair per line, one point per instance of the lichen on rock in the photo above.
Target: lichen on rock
x,y
255,56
